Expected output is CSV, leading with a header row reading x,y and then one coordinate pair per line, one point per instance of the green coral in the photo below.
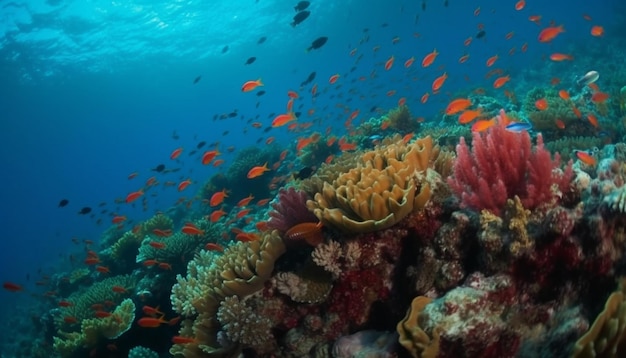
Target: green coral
x,y
158,221
142,352
558,108
566,146
94,329
79,275
126,247
98,293
180,247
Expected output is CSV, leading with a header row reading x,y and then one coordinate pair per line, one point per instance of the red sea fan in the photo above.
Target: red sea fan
x,y
290,210
503,164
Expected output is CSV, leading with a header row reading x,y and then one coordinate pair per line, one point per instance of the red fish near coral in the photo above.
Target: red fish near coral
x,y
133,196
191,229
549,33
257,171
251,85
12,287
151,322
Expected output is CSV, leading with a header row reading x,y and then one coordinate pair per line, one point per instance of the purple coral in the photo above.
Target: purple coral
x,y
289,210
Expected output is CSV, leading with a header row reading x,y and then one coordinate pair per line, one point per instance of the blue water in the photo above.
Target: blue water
x,y
91,91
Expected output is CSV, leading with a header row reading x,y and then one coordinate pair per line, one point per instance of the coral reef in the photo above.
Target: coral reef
x,y
378,193
289,209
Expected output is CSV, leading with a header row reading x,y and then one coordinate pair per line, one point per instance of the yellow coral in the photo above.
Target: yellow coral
x,y
378,193
608,331
412,336
241,270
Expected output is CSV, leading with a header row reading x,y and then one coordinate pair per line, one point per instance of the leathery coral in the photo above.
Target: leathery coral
x,y
388,184
241,270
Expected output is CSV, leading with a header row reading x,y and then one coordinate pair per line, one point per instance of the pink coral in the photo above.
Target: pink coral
x,y
503,164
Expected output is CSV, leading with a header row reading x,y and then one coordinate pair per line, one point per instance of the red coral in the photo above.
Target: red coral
x,y
503,164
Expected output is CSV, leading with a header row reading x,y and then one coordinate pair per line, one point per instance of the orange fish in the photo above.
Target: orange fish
x,y
242,213
151,322
245,201
577,112
251,85
501,81
564,95
559,124
216,215
561,57
282,119
102,314
597,30
118,219
333,78
150,262
211,246
535,18
191,229
157,245
585,157
401,101
262,202
209,155
133,196
541,104
438,82
246,237
469,116
599,97
483,124
464,58
132,175
70,320
65,304
92,261
257,171
430,58
12,287
184,184
593,120
162,233
165,266
218,162
457,106
549,33
176,153
183,340
292,94
409,62
389,63
118,289
218,198
424,98
102,269
520,5
491,60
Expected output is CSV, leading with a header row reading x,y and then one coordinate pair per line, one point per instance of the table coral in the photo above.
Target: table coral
x,y
379,192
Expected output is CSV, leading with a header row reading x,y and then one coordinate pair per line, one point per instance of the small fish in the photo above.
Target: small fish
x,y
429,58
197,79
251,85
518,127
549,33
304,173
317,43
302,5
299,17
225,49
585,157
151,322
84,211
12,287
257,171
480,34
159,168
133,196
63,203
250,60
261,40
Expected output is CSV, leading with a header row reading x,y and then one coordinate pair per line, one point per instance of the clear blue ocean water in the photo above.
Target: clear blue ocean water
x,y
92,91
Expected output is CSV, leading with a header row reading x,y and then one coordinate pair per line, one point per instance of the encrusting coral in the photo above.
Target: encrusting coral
x,y
387,185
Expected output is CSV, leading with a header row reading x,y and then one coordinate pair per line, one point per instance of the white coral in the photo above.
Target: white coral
x,y
352,253
328,255
289,284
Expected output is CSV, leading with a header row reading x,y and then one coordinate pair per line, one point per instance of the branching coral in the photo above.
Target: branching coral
x,y
244,326
503,164
387,186
241,270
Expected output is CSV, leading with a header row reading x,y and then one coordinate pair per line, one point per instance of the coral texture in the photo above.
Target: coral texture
x,y
289,210
384,188
503,164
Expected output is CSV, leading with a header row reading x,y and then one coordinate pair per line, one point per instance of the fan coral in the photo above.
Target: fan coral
x,y
378,193
289,209
503,164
